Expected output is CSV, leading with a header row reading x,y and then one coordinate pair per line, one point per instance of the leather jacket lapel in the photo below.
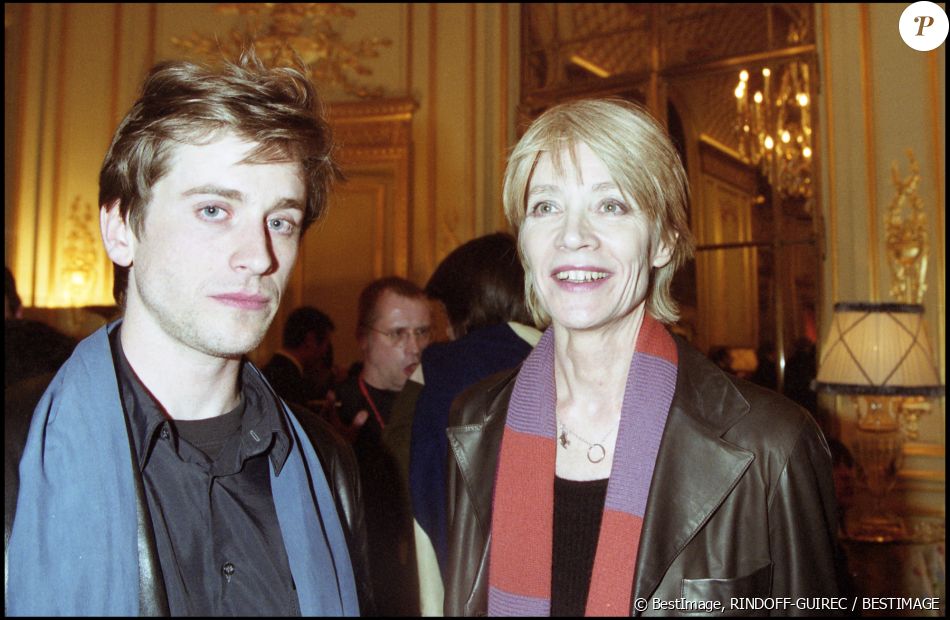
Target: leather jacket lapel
x,y
475,447
695,470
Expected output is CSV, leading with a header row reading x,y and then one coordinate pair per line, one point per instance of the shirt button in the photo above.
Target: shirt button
x,y
227,570
164,433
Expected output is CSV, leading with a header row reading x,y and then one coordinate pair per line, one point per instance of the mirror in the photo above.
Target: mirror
x,y
753,286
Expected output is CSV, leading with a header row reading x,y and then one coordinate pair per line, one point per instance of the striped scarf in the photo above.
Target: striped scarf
x,y
523,506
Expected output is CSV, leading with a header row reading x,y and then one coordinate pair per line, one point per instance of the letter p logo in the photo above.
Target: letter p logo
x,y
923,26
925,21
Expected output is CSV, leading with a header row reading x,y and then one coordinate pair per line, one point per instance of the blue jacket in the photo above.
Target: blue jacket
x,y
76,542
450,368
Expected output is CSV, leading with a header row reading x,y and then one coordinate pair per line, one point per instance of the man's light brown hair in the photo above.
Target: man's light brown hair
x,y
189,103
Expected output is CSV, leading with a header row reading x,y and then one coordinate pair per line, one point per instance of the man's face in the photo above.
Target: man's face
x,y
218,244
387,364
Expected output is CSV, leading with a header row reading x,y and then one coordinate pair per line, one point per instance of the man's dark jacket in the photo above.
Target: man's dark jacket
x,y
741,503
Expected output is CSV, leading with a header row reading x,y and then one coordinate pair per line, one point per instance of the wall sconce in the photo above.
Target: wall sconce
x,y
879,355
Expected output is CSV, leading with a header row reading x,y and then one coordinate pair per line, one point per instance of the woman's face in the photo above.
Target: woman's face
x,y
589,250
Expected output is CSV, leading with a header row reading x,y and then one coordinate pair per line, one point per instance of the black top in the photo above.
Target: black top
x,y
32,348
352,400
578,508
388,516
284,376
208,490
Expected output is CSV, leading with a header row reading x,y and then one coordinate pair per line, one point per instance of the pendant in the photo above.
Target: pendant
x,y
564,441
596,453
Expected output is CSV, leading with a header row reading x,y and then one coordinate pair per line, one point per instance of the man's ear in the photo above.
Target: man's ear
x,y
117,235
664,251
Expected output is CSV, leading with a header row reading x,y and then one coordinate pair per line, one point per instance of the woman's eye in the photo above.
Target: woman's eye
x,y
612,206
542,208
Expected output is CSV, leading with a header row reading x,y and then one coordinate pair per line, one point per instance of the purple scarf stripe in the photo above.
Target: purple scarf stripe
x,y
649,392
508,604
537,375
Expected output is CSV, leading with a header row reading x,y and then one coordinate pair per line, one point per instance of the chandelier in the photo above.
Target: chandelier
x,y
281,31
775,131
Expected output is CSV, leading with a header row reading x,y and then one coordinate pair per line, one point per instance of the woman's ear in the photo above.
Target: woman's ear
x,y
664,251
117,235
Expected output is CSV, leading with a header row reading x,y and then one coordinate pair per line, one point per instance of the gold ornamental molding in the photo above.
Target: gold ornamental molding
x,y
906,236
386,111
368,131
79,254
282,31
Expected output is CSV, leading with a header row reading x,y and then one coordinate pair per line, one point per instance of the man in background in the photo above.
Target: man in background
x,y
31,348
393,327
301,371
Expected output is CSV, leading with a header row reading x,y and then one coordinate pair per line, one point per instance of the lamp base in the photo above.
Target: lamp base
x,y
877,528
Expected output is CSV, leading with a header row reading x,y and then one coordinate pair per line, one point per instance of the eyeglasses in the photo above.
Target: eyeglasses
x,y
400,337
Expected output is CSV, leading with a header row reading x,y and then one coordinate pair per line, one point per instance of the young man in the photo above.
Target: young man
x,y
161,473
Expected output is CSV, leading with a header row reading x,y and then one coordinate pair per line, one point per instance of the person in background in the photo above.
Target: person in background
x,y
481,286
161,474
298,371
722,358
766,372
617,466
31,348
394,325
801,368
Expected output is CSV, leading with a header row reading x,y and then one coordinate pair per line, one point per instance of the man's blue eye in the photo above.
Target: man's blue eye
x,y
282,225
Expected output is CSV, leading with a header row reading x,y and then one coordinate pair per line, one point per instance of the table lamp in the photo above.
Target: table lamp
x,y
879,354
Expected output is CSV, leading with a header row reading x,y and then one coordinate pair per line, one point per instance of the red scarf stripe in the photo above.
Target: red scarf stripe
x,y
610,590
514,499
654,340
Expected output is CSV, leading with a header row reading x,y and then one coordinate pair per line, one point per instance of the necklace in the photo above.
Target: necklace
x,y
595,451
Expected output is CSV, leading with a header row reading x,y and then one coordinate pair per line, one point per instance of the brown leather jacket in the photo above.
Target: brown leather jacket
x,y
741,504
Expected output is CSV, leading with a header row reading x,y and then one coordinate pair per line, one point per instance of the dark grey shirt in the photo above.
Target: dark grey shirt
x,y
207,485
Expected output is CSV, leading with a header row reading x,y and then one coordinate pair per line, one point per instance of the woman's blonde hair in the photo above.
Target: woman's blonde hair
x,y
643,163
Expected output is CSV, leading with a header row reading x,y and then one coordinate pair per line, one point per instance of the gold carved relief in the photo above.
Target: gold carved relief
x,y
906,236
80,253
281,31
906,241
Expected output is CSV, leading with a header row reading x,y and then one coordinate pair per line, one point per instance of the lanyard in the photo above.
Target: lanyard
x,y
369,399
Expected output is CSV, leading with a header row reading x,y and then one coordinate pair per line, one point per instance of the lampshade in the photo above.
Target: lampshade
x,y
878,348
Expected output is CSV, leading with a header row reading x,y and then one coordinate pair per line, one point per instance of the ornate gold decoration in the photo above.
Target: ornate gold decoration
x,y
906,241
79,253
906,237
279,31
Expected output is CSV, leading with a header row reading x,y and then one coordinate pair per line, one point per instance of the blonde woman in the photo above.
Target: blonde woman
x,y
618,471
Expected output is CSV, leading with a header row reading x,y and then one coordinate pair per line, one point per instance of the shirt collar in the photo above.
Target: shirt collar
x,y
262,427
